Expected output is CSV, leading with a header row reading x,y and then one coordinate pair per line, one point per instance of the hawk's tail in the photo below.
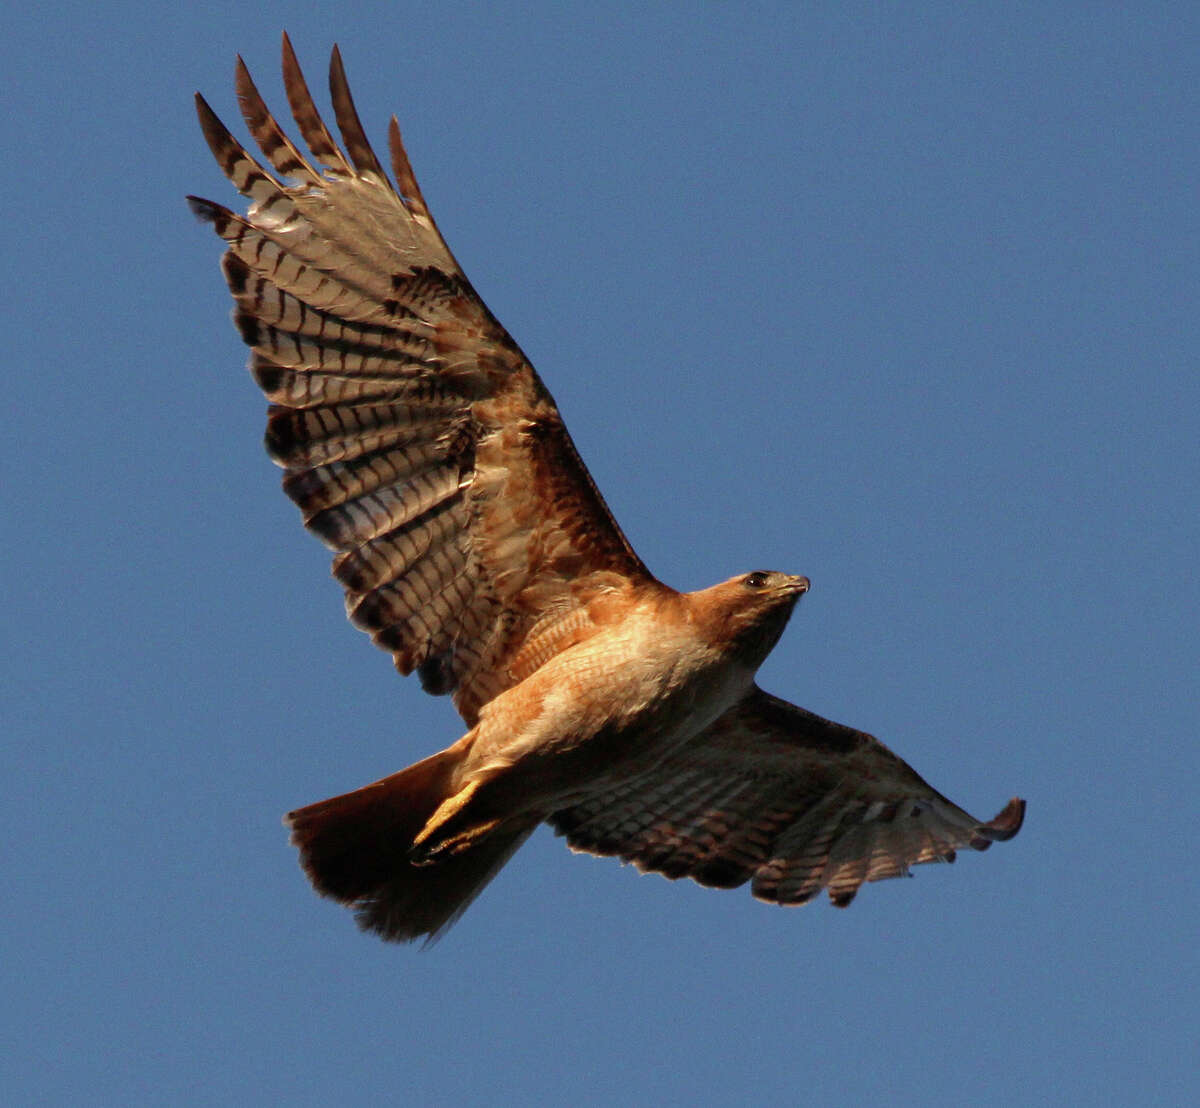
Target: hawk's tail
x,y
357,848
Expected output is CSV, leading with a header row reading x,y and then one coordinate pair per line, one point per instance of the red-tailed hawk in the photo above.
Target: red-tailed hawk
x,y
423,448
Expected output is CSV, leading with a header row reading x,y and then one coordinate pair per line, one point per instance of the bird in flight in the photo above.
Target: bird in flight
x,y
472,544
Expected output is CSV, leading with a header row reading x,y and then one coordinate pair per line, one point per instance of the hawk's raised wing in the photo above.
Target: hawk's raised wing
x,y
414,435
778,796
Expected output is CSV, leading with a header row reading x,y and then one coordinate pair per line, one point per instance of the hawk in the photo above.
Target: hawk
x,y
421,447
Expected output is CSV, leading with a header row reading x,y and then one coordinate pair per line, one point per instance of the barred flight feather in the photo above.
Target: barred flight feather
x,y
349,524
794,826
265,307
386,372
278,149
287,267
310,437
350,125
303,388
308,119
399,638
401,600
338,482
387,557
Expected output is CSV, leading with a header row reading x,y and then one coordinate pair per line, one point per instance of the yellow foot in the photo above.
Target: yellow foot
x,y
446,811
461,840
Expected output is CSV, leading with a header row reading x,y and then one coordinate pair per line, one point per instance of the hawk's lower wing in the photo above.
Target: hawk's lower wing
x,y
778,796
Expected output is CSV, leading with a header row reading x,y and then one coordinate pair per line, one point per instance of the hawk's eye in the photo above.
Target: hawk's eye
x,y
755,580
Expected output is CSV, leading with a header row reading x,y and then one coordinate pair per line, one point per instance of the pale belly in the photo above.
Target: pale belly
x,y
606,711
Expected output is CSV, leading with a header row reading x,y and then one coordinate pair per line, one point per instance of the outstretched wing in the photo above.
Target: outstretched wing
x,y
780,797
413,433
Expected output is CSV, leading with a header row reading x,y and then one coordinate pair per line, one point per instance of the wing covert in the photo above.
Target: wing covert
x,y
778,796
415,437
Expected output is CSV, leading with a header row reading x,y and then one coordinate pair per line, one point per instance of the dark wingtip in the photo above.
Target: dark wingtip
x,y
436,674
1006,823
210,123
237,273
203,210
281,439
248,326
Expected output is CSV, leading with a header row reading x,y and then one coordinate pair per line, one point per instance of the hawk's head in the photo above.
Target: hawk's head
x,y
748,613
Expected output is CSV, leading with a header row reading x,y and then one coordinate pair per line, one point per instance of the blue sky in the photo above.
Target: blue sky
x,y
902,297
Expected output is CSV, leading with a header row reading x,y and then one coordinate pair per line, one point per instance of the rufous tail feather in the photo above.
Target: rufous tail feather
x,y
357,849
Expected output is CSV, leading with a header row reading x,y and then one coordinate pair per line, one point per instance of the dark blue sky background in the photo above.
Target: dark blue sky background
x,y
902,297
